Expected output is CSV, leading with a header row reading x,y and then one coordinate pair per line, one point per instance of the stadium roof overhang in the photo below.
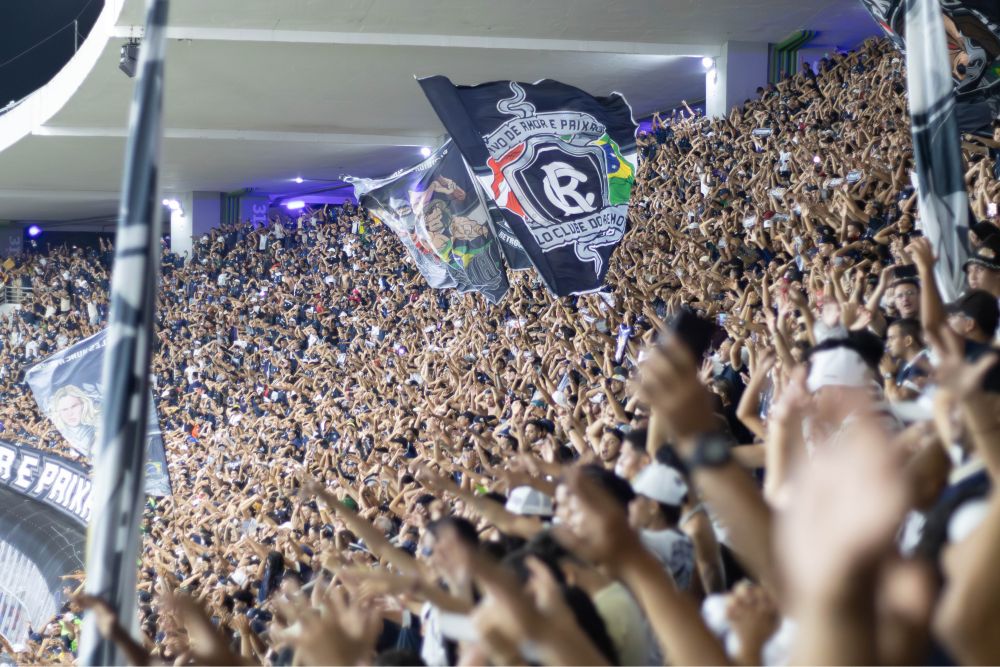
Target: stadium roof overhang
x,y
260,92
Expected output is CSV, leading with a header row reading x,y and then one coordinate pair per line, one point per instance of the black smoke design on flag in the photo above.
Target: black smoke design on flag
x,y
972,29
436,210
119,459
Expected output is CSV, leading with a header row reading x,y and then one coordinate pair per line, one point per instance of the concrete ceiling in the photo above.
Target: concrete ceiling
x,y
259,92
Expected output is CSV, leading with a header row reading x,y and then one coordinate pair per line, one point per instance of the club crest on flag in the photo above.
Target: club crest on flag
x,y
559,166
556,164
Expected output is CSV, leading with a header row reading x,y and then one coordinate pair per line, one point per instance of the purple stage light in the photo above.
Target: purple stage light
x,y
34,231
295,205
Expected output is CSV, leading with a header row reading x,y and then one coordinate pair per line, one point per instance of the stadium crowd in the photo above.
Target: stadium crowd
x,y
369,471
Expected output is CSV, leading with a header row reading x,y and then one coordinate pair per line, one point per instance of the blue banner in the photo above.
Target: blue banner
x,y
67,388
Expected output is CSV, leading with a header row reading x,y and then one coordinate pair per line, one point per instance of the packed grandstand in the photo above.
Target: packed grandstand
x,y
365,469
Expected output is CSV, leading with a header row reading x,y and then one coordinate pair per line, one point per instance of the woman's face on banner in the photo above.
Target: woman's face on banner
x,y
70,410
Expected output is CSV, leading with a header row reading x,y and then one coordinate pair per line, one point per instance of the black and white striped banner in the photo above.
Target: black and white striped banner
x,y
943,202
117,495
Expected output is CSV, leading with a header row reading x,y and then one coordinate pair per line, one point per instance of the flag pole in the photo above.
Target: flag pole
x,y
119,457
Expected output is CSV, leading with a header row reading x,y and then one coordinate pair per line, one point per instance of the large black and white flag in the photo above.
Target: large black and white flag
x,y
943,201
889,15
392,207
117,498
971,29
515,254
67,387
557,162
436,210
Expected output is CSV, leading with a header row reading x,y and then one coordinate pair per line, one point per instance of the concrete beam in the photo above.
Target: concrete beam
x,y
60,195
449,41
342,139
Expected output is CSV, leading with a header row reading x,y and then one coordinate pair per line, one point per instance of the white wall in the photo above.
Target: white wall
x,y
181,223
739,71
200,213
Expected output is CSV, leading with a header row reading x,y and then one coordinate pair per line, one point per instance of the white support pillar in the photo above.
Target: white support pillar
x,y
198,214
738,72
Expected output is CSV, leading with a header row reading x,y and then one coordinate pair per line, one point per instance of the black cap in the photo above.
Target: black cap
x,y
981,307
987,255
984,229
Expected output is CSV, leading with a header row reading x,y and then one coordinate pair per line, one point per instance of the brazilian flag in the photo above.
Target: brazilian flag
x,y
621,173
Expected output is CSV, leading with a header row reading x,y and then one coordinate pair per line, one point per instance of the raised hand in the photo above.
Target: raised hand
x,y
846,505
339,632
669,384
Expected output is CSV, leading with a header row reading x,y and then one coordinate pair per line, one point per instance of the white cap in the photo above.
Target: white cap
x,y
966,519
529,501
838,367
661,483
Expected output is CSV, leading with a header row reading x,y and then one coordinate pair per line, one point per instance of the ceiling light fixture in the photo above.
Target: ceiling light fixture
x,y
425,151
172,204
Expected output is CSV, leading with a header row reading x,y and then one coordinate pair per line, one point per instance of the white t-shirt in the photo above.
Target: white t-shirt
x,y
675,551
432,650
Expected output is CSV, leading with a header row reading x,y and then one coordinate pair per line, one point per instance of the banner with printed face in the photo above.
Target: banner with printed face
x,y
435,209
558,163
972,30
67,388
397,214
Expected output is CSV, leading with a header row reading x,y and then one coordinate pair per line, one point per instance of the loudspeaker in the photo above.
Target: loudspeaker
x,y
129,58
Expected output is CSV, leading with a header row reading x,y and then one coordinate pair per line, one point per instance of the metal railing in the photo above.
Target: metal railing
x,y
25,599
15,294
